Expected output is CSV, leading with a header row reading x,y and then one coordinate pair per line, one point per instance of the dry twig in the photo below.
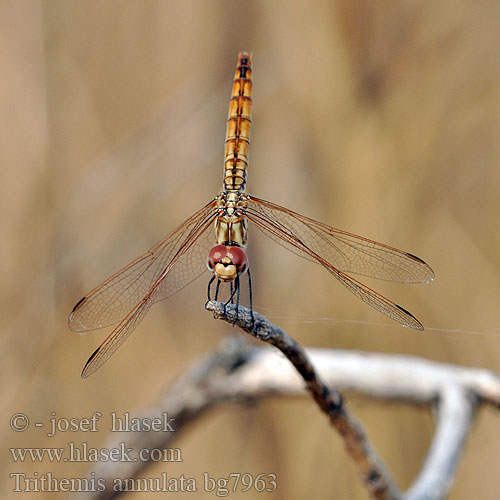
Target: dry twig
x,y
238,373
370,467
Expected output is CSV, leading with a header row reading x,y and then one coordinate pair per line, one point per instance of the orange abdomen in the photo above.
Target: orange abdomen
x,y
238,126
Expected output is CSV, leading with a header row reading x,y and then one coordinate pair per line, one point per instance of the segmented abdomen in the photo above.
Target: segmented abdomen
x,y
238,126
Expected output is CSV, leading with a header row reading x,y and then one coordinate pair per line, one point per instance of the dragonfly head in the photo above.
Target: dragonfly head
x,y
227,262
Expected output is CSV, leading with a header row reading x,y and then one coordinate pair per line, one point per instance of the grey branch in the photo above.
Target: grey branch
x,y
238,373
370,467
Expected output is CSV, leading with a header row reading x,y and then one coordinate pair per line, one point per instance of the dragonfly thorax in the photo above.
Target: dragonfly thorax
x,y
228,259
230,223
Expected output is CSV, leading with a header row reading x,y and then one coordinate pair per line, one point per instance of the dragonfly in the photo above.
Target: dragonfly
x,y
216,236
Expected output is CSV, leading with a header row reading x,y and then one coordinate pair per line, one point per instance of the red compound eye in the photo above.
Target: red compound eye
x,y
228,255
216,254
239,258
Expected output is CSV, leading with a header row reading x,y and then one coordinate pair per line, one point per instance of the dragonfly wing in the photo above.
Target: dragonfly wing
x,y
113,299
184,266
290,231
377,301
345,251
116,338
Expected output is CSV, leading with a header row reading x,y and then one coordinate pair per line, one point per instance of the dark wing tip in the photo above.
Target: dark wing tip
x,y
86,372
430,272
415,257
78,304
412,322
74,324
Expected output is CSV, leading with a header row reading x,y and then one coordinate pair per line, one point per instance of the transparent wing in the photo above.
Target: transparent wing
x,y
331,248
116,338
116,297
186,264
345,251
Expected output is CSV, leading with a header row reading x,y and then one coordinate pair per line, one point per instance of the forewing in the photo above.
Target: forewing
x,y
345,251
182,268
270,221
113,299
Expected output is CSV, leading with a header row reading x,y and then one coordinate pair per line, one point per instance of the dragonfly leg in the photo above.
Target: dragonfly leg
x,y
250,295
209,287
238,293
234,289
238,288
217,290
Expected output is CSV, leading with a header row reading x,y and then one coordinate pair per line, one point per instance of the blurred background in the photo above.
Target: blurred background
x,y
381,118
